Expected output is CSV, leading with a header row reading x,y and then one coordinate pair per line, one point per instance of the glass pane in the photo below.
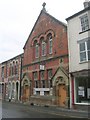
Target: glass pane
x,y
83,56
82,89
88,45
37,51
82,46
88,55
43,48
82,20
84,23
50,46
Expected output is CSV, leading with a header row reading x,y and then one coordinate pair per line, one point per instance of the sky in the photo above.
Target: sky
x,y
17,18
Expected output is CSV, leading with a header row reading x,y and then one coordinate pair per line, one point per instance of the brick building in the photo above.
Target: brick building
x,y
4,80
45,62
10,77
0,84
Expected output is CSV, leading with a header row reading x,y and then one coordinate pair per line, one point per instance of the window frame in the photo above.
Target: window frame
x,y
84,22
36,84
86,51
50,44
35,75
43,48
36,51
43,83
50,73
78,83
42,74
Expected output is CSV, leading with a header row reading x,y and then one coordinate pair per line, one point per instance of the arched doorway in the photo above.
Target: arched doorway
x,y
61,94
61,91
13,90
17,91
9,90
2,90
25,89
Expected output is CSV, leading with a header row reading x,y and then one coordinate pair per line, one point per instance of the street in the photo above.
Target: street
x,y
0,109
19,110
13,110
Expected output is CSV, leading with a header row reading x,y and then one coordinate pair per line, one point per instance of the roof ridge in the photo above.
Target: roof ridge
x,y
55,18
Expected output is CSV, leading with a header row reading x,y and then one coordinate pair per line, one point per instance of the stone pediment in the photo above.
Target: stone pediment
x,y
60,77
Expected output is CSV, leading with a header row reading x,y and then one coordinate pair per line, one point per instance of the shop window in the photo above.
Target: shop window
x,y
82,87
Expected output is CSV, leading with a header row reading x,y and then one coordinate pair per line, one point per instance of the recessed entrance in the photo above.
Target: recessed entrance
x,y
61,95
26,93
17,91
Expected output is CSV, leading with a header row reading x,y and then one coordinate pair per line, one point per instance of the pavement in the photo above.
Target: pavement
x,y
73,113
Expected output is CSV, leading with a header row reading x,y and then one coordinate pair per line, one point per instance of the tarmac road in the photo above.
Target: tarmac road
x,y
18,110
11,110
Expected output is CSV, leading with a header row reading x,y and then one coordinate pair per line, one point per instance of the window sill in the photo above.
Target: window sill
x,y
84,62
82,103
84,31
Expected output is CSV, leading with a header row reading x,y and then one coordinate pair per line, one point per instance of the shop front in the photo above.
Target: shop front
x,y
81,91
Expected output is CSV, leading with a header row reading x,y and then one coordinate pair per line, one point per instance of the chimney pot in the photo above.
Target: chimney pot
x,y
86,4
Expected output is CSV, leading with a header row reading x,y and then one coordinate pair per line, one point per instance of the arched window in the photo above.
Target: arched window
x,y
43,48
50,45
36,51
13,88
11,69
16,68
35,48
49,37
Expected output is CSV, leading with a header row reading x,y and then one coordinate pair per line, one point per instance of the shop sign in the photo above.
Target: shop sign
x,y
82,73
42,67
81,91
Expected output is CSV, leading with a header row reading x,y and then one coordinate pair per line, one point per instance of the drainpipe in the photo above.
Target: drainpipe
x,y
68,93
20,77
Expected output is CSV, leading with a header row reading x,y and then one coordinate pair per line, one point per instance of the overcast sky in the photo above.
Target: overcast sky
x,y
17,18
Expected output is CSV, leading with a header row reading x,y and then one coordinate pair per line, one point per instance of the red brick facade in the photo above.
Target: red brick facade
x,y
10,77
45,29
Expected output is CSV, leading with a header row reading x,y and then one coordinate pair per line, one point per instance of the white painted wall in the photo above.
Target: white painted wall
x,y
74,28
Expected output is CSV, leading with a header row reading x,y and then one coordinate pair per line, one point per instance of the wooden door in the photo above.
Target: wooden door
x,y
26,93
61,95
